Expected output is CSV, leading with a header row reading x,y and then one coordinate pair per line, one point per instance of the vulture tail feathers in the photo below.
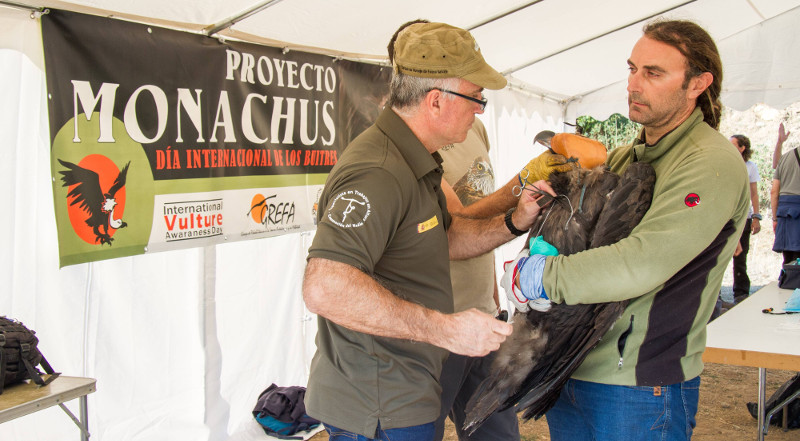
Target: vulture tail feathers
x,y
494,392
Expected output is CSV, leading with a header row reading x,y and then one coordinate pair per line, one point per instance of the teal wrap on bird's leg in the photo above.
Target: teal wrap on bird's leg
x,y
540,246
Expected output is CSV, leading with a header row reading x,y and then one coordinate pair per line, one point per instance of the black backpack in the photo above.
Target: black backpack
x,y
789,388
19,355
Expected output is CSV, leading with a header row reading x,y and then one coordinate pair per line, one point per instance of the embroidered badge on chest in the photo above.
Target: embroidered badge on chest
x,y
692,200
349,209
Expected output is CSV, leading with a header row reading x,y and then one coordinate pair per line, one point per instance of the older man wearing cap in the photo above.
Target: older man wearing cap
x,y
378,269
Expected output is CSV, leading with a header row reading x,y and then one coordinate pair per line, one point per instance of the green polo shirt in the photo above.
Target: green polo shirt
x,y
384,214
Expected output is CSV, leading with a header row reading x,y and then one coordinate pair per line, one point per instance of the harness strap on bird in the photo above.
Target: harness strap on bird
x,y
580,202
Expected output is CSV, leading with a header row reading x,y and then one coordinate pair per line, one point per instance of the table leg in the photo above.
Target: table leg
x,y
84,414
762,384
83,422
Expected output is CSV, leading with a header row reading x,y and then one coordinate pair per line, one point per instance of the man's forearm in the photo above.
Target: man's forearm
x,y
773,198
754,197
469,237
783,135
351,298
776,155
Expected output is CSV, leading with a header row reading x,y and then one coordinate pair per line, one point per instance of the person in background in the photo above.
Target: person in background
x,y
785,201
741,281
642,382
469,174
378,268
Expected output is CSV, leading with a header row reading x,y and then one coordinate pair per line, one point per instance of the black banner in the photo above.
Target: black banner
x,y
165,118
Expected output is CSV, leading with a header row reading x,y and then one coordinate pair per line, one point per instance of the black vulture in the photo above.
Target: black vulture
x,y
88,195
593,208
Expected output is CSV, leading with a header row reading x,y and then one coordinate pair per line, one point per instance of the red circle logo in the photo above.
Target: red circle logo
x,y
692,200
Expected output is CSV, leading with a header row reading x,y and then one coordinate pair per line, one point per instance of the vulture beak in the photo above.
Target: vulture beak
x,y
543,138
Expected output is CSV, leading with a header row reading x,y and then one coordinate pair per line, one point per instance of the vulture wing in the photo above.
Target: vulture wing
x,y
119,182
86,193
593,208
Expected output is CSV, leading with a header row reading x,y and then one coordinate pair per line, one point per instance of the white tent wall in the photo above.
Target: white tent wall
x,y
182,342
760,65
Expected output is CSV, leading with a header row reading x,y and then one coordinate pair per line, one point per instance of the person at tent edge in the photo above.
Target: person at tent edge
x,y
378,268
642,380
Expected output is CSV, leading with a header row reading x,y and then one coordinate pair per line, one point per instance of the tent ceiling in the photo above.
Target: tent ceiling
x,y
560,49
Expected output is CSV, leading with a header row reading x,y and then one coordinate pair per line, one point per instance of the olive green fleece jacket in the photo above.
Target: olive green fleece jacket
x,y
672,264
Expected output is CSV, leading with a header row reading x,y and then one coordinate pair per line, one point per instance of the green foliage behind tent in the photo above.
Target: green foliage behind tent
x,y
617,130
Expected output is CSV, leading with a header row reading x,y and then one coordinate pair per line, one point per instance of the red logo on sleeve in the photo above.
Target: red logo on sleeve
x,y
692,200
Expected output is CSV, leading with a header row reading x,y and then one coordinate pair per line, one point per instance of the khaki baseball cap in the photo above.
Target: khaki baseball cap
x,y
438,50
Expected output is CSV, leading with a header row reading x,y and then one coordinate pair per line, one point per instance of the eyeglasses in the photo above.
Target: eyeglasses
x,y
482,101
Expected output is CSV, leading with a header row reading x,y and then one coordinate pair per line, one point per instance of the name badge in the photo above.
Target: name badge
x,y
427,225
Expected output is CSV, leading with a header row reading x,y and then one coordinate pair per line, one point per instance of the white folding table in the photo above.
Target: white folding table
x,y
746,336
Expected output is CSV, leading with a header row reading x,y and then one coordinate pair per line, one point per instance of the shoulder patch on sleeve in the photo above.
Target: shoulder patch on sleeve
x,y
349,209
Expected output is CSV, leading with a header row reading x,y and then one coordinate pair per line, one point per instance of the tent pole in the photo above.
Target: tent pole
x,y
505,14
216,409
33,9
523,88
213,29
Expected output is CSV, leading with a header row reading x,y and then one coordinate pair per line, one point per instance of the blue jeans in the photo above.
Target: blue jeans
x,y
422,432
601,412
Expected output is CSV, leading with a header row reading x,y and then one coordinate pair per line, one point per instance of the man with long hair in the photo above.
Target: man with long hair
x,y
641,382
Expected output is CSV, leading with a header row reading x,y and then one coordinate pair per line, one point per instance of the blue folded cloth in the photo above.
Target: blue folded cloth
x,y
793,304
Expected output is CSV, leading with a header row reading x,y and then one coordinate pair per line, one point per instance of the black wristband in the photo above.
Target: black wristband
x,y
510,225
756,216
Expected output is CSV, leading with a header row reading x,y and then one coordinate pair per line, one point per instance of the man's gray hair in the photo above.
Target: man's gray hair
x,y
406,91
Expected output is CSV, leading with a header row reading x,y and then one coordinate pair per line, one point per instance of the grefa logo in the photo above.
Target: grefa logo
x,y
267,210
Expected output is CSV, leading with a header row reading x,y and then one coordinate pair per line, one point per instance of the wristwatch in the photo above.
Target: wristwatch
x,y
756,216
510,225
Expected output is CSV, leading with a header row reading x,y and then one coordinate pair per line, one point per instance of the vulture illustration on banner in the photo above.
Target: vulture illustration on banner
x,y
594,207
99,205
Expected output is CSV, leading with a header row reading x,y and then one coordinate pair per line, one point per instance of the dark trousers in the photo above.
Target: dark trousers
x,y
790,256
741,282
461,376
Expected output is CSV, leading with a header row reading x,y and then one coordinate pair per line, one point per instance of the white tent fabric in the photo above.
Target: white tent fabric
x,y
182,342
543,46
